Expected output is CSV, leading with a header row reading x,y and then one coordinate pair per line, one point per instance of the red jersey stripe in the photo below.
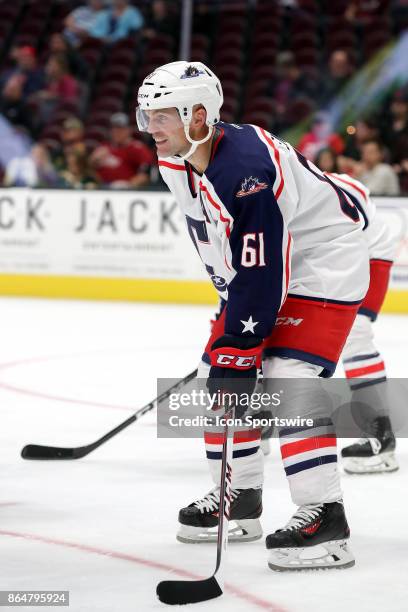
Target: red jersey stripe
x,y
216,143
277,158
172,166
309,444
287,265
217,206
339,178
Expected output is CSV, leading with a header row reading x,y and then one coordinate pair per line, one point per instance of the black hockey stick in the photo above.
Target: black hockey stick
x,y
180,592
37,451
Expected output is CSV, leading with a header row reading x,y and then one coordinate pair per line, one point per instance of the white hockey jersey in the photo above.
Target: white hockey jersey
x,y
265,221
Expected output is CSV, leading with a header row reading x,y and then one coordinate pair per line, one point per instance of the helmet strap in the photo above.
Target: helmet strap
x,y
195,143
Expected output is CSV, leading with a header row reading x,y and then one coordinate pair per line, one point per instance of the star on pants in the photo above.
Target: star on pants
x,y
249,325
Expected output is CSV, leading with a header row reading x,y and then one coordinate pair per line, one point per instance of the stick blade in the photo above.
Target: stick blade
x,y
36,451
180,592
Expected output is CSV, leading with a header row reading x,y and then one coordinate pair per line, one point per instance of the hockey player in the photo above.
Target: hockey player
x,y
363,364
283,246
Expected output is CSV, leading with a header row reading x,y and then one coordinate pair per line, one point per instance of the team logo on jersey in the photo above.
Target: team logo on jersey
x,y
191,71
219,282
250,185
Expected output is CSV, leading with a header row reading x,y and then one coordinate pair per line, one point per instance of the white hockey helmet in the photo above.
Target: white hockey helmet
x,y
181,85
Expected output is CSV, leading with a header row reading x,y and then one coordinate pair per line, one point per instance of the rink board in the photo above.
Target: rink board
x,y
134,246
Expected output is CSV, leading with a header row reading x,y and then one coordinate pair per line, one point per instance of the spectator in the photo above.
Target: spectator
x,y
77,65
365,129
362,12
319,137
395,133
72,134
72,138
33,170
326,160
81,20
117,22
379,177
205,18
77,174
340,71
18,86
289,84
122,163
26,72
162,20
61,87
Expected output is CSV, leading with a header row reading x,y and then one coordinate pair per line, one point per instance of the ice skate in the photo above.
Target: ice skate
x,y
316,537
199,520
372,455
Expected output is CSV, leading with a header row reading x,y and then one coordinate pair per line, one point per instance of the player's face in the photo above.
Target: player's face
x,y
167,131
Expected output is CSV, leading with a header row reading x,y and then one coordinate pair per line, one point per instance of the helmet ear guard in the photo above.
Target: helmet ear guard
x,y
182,85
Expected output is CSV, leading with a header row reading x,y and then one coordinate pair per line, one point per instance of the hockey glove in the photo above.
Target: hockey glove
x,y
234,363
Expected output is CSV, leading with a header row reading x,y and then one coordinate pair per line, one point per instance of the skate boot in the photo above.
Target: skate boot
x,y
314,538
199,520
372,455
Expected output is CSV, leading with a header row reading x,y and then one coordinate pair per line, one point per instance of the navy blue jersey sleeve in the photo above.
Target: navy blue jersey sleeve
x,y
259,243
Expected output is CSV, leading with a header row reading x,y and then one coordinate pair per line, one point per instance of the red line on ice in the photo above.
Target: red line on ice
x,y
252,599
47,396
58,398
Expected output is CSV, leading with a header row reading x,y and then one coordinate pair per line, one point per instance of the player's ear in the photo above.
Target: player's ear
x,y
199,116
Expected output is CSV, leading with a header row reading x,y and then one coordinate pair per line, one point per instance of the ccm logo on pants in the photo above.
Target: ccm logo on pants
x,y
288,321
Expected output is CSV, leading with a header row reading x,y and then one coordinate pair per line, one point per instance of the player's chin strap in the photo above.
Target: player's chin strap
x,y
194,143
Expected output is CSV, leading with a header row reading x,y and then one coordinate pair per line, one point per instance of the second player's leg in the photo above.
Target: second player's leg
x,y
365,370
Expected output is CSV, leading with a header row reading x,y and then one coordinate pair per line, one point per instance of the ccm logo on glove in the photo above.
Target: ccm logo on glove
x,y
235,358
234,361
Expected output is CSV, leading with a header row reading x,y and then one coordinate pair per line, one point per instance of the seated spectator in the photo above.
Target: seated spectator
x,y
380,178
77,65
365,129
119,21
362,12
122,163
33,170
72,138
205,18
77,174
290,83
326,160
61,87
339,72
162,20
81,20
18,86
319,137
29,75
395,133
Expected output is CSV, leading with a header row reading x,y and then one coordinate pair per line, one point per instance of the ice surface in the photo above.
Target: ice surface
x,y
104,527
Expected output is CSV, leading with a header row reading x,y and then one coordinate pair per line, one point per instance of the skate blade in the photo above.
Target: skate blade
x,y
245,530
378,464
328,555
